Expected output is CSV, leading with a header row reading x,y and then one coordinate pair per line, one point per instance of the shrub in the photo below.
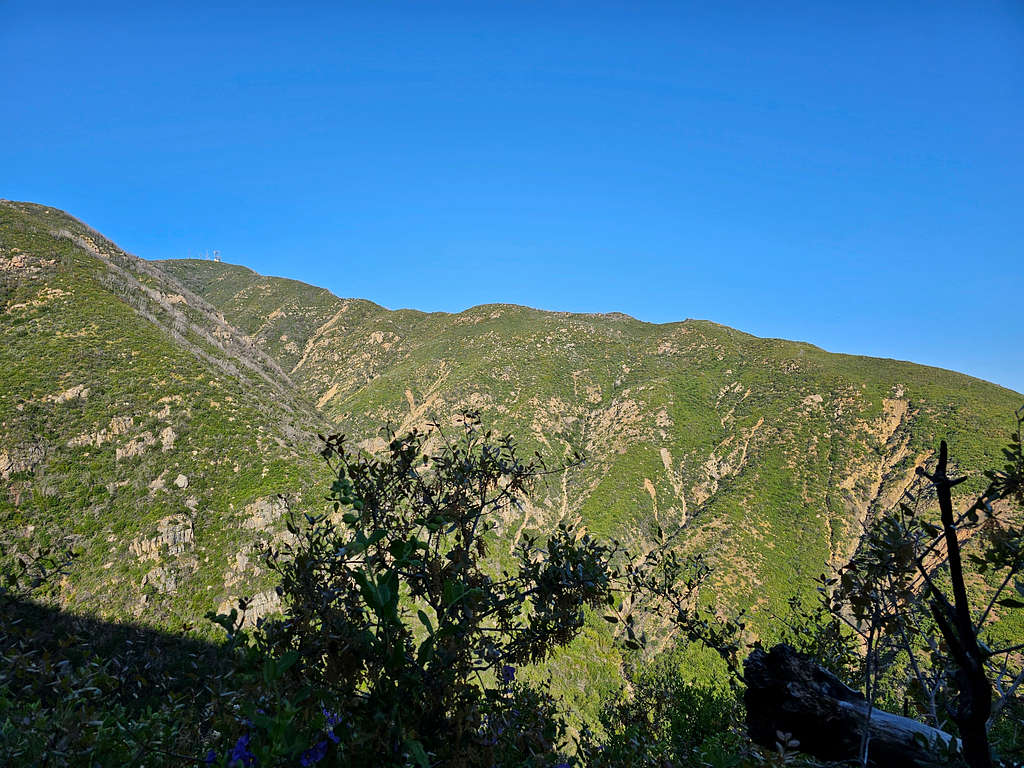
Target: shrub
x,y
661,718
400,638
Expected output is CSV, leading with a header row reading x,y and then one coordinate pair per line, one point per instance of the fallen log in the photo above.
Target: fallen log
x,y
788,693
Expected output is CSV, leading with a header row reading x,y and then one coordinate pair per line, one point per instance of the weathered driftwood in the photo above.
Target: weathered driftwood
x,y
788,693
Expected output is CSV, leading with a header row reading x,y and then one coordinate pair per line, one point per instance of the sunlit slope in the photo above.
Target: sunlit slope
x,y
135,425
769,452
150,413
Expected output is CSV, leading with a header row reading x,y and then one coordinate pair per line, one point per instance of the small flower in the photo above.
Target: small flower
x,y
314,754
240,753
508,674
332,718
332,736
211,757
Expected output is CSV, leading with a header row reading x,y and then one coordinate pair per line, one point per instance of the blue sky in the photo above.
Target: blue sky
x,y
849,174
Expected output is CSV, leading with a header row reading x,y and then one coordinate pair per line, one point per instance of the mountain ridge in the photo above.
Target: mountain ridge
x,y
610,315
161,416
613,314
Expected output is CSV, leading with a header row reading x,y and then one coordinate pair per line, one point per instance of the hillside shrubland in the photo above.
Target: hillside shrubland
x,y
402,641
158,421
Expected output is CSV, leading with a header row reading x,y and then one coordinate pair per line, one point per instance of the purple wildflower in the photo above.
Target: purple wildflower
x,y
240,753
314,754
211,757
332,718
508,674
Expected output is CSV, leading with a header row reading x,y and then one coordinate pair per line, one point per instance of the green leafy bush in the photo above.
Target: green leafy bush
x,y
662,718
397,626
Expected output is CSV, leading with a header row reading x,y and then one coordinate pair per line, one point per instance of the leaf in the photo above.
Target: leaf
x,y
399,549
426,621
417,751
286,661
426,651
453,592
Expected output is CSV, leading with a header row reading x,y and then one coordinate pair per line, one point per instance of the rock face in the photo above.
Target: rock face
x,y
261,514
167,438
21,459
136,446
175,533
260,605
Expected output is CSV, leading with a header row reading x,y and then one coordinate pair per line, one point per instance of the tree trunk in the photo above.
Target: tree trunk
x,y
974,699
790,694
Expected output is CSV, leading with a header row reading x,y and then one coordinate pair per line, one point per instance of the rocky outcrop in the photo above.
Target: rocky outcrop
x,y
78,392
167,438
25,264
264,512
24,458
174,532
119,425
163,579
260,605
158,484
136,446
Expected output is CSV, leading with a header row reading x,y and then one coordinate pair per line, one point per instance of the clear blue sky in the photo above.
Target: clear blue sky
x,y
845,173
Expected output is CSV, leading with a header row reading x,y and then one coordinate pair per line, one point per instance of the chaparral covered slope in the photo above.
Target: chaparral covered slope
x,y
151,413
771,452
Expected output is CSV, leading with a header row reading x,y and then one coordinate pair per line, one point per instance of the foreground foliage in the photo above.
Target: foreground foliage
x,y
399,628
905,594
409,620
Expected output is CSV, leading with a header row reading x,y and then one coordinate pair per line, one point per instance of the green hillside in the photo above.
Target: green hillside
x,y
135,425
150,413
772,452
